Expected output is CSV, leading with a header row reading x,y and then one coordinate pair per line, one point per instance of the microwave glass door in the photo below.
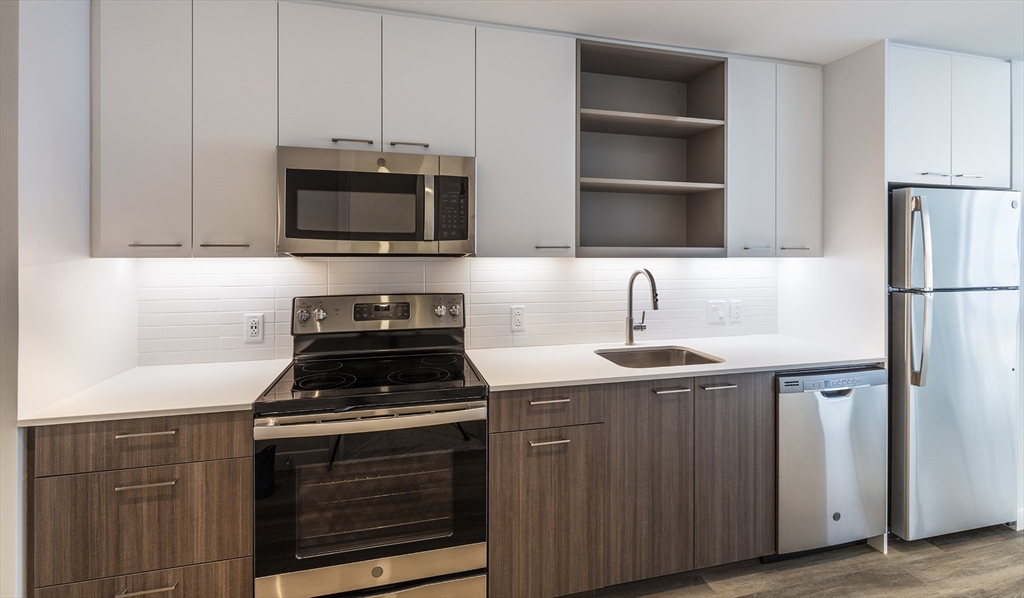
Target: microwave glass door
x,y
356,206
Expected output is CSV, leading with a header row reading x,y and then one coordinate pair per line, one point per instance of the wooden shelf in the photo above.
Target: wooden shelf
x,y
639,186
650,125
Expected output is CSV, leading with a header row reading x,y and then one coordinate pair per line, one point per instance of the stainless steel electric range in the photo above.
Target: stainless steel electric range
x,y
371,454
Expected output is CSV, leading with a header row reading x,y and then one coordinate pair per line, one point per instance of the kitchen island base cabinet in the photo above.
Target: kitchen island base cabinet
x,y
546,512
224,578
734,462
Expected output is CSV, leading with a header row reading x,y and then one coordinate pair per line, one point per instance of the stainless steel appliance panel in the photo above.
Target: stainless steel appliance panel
x,y
954,238
832,440
954,411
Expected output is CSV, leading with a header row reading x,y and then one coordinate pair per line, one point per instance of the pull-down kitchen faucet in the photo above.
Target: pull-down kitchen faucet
x,y
629,304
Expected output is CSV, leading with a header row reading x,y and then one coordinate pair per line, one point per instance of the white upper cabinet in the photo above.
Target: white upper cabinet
x,y
948,119
330,77
799,151
750,162
142,129
428,86
526,144
234,128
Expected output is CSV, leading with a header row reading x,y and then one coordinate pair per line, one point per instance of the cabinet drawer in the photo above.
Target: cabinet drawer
x,y
545,408
100,446
96,525
225,578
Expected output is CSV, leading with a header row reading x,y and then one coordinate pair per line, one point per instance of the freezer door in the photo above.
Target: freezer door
x,y
954,411
954,238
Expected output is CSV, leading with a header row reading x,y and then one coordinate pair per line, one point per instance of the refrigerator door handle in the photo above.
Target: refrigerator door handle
x,y
919,203
919,376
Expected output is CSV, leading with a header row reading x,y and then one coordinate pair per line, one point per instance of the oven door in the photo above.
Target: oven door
x,y
348,202
355,503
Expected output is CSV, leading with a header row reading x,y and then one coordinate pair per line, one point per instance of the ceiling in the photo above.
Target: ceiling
x,y
818,31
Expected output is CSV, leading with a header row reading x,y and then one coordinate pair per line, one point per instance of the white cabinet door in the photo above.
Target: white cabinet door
x,y
799,142
918,116
750,165
142,129
429,84
234,128
981,122
329,61
526,144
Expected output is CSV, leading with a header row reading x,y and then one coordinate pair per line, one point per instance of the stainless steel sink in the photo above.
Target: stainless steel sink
x,y
657,357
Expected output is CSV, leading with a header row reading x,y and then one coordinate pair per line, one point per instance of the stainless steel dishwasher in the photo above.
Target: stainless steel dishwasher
x,y
832,445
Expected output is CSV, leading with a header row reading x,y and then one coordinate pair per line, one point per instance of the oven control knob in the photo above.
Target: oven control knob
x,y
440,311
302,314
319,314
455,310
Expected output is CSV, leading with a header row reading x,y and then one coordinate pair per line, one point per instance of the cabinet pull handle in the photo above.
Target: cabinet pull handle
x,y
757,248
143,434
795,248
154,245
410,143
337,139
671,391
720,387
971,176
550,442
223,244
552,246
551,402
125,591
936,174
144,486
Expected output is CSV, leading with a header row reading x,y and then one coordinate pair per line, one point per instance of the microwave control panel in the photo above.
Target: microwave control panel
x,y
452,208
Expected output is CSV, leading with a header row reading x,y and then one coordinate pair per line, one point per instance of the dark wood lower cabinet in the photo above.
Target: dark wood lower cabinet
x,y
224,579
734,479
546,532
650,479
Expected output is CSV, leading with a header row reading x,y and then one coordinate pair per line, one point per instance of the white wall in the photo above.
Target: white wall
x,y
841,296
12,580
78,313
192,310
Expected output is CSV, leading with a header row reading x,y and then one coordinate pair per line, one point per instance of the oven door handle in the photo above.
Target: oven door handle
x,y
262,431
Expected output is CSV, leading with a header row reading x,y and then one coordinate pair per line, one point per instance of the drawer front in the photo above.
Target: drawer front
x,y
96,525
225,578
101,446
516,410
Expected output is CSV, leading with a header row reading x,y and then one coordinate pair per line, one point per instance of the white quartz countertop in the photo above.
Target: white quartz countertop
x,y
522,368
161,390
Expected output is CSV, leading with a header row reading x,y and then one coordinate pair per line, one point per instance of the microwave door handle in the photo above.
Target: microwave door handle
x,y
428,207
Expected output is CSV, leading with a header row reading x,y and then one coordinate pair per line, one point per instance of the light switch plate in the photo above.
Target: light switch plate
x,y
716,312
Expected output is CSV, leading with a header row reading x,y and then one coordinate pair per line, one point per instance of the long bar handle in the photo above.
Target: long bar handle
x,y
550,442
795,248
416,143
720,387
551,402
552,246
768,248
919,203
671,391
154,245
970,176
144,486
223,244
338,139
937,174
919,377
125,591
263,430
428,207
145,434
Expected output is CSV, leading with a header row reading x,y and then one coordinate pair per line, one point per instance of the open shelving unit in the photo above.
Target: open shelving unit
x,y
650,153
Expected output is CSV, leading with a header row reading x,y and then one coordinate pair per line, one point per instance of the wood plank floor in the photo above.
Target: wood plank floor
x,y
981,563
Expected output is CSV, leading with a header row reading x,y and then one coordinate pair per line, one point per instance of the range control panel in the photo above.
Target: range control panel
x,y
354,313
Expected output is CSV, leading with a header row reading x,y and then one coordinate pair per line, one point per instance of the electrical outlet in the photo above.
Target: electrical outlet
x,y
518,321
254,328
716,312
734,310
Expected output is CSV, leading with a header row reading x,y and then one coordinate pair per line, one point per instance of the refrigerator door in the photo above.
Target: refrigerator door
x,y
953,411
954,239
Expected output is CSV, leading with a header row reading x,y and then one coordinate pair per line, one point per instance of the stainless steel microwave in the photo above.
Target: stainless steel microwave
x,y
343,202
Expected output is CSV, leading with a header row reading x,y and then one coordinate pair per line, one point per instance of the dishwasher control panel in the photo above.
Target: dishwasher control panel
x,y
818,381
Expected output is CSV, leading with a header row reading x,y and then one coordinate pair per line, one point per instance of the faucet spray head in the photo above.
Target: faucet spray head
x,y
654,289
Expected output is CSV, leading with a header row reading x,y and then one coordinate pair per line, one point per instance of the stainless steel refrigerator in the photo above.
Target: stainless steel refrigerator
x,y
954,310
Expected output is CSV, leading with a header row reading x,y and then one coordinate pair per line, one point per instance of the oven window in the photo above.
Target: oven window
x,y
370,206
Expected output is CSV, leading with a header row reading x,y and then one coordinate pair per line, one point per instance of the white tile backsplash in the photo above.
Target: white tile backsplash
x,y
192,311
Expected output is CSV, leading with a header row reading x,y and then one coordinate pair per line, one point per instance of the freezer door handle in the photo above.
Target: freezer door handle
x,y
919,203
919,376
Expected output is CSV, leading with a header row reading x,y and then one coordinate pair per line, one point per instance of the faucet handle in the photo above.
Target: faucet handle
x,y
641,326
